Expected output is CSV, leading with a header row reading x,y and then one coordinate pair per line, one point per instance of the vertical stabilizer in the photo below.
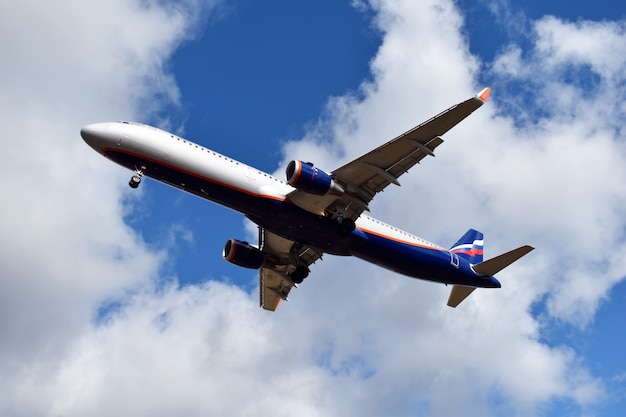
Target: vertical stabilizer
x,y
470,246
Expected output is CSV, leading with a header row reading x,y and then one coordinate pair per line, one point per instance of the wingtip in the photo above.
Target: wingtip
x,y
484,95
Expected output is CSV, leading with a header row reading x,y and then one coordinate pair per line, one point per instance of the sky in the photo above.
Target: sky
x,y
117,302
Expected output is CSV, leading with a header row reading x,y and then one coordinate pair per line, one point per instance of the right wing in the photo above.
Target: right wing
x,y
371,173
284,257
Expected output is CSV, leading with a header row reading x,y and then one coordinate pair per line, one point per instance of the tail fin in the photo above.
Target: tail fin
x,y
486,268
470,247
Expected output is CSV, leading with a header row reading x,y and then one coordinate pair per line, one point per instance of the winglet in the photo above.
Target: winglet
x,y
484,95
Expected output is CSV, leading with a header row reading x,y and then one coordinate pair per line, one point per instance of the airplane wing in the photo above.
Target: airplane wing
x,y
283,258
370,174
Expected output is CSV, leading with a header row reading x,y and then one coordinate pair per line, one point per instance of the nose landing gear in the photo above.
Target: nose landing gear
x,y
135,180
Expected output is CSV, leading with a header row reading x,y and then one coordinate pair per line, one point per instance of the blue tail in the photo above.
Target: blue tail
x,y
470,247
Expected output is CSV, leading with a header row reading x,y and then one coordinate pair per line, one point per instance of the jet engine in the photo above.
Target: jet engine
x,y
243,254
305,177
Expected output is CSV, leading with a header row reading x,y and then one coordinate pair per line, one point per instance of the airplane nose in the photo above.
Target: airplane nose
x,y
94,135
91,132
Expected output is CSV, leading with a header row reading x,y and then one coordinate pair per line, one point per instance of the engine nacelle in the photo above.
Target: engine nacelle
x,y
243,254
304,176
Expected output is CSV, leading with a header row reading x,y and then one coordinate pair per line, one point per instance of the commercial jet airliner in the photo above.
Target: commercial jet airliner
x,y
313,212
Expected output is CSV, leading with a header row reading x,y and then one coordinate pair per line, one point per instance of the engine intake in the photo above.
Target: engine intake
x,y
243,254
305,177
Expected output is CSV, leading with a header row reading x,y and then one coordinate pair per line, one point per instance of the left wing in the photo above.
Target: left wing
x,y
287,263
371,173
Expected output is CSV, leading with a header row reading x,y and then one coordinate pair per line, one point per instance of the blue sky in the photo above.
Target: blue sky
x,y
265,84
111,298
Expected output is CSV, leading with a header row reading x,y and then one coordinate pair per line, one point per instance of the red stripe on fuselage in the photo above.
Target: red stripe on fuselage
x,y
191,173
243,191
472,252
406,242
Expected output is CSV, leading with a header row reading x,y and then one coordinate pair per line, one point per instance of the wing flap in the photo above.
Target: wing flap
x,y
371,173
283,256
394,158
403,148
273,288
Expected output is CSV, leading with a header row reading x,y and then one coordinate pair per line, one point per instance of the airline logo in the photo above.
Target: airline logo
x,y
470,249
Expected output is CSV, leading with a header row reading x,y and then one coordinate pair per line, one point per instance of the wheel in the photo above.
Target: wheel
x,y
347,225
134,181
299,274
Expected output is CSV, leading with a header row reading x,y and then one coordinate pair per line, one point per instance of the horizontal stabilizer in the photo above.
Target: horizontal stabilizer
x,y
487,268
459,294
497,264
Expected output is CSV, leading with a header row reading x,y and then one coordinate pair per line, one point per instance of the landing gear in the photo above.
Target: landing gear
x,y
135,180
299,274
346,225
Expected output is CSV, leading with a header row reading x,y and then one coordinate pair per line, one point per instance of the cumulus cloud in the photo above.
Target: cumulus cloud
x,y
539,164
356,339
66,248
569,131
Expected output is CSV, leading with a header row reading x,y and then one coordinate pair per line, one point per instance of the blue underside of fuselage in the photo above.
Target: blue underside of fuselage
x,y
289,221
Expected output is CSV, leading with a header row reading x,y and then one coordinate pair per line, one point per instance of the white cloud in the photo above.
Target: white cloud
x,y
355,339
548,175
572,44
65,247
572,158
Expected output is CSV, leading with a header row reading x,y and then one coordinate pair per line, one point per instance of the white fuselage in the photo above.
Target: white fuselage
x,y
263,198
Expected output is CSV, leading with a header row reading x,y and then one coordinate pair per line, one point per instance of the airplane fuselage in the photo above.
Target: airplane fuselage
x,y
263,199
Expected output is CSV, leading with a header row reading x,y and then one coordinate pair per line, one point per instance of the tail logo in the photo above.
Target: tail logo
x,y
470,250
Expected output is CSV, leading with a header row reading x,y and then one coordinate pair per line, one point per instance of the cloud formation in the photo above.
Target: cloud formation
x,y
570,131
539,164
66,248
356,339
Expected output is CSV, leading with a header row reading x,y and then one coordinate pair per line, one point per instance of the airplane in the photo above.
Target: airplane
x,y
312,212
